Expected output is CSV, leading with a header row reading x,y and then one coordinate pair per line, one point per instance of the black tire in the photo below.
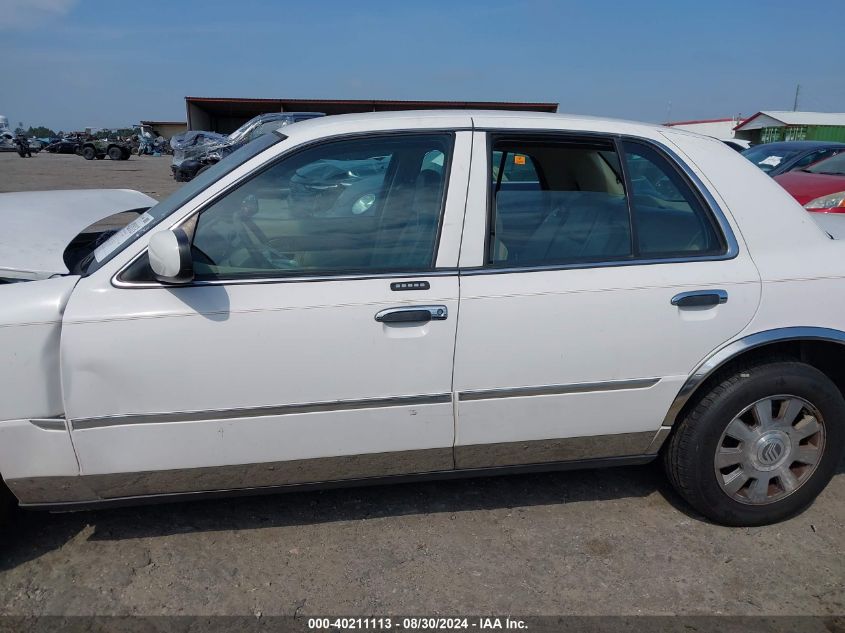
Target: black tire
x,y
115,153
202,169
8,503
690,452
89,153
126,153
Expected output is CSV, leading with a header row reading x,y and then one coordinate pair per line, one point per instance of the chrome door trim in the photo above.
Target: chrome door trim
x,y
721,294
734,348
268,164
99,487
89,501
79,424
706,198
73,492
50,424
549,390
437,272
437,312
494,270
552,450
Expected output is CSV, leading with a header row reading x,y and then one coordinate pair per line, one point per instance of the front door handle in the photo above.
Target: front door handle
x,y
412,314
700,298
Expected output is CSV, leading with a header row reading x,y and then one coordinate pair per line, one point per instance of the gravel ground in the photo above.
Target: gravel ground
x,y
44,171
614,541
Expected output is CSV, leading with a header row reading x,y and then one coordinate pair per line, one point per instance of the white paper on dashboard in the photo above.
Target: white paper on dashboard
x,y
108,247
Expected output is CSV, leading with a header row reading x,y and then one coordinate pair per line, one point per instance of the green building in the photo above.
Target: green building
x,y
769,126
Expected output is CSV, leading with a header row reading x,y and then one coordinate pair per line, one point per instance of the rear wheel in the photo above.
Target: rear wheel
x,y
760,445
115,153
89,153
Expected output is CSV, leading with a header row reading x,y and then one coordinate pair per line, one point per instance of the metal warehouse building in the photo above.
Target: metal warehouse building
x,y
167,129
771,125
226,115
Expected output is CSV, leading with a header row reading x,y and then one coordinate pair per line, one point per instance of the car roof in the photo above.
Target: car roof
x,y
504,118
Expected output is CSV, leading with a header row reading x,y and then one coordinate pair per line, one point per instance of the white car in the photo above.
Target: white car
x,y
428,294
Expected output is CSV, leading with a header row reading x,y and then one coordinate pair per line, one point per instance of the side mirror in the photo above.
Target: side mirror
x,y
170,257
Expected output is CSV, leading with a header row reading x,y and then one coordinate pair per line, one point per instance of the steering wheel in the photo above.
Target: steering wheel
x,y
254,240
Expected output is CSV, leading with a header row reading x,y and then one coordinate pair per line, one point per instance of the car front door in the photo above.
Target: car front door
x,y
596,273
314,344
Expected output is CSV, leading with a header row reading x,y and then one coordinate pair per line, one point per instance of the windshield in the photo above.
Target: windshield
x,y
116,242
767,158
835,166
242,131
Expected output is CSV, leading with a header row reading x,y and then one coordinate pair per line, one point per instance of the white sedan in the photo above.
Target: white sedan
x,y
426,294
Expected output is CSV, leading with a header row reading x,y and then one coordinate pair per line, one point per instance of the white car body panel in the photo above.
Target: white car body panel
x,y
38,225
797,260
253,345
169,389
832,223
30,331
286,344
547,328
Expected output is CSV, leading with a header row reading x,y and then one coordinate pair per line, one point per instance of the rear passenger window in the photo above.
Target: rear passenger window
x,y
669,218
571,209
515,169
566,202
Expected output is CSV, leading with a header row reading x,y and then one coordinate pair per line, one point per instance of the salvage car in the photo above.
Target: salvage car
x,y
7,141
68,145
196,150
522,292
782,157
819,187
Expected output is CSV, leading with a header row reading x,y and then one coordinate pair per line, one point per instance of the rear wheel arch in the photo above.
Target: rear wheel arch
x,y
759,445
822,348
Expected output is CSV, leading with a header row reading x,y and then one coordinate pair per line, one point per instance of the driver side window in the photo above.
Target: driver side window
x,y
362,205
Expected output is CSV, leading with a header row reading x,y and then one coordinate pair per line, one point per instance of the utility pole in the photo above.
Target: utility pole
x,y
795,105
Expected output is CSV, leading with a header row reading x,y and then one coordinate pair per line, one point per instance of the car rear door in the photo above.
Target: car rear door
x,y
315,344
596,273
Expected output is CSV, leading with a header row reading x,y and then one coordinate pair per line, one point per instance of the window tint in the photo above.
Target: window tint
x,y
834,166
815,157
184,194
572,206
356,205
767,158
515,168
574,210
668,216
808,159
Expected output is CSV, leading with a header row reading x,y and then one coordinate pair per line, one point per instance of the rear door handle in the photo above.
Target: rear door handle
x,y
412,314
700,298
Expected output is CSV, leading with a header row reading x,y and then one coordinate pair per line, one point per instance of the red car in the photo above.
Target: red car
x,y
819,187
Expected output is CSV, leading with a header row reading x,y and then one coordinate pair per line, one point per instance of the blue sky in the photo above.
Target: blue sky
x,y
74,63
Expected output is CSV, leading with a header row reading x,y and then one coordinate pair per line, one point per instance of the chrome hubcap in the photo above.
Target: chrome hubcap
x,y
770,449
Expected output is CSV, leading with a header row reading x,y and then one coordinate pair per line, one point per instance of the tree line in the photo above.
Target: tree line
x,y
41,131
